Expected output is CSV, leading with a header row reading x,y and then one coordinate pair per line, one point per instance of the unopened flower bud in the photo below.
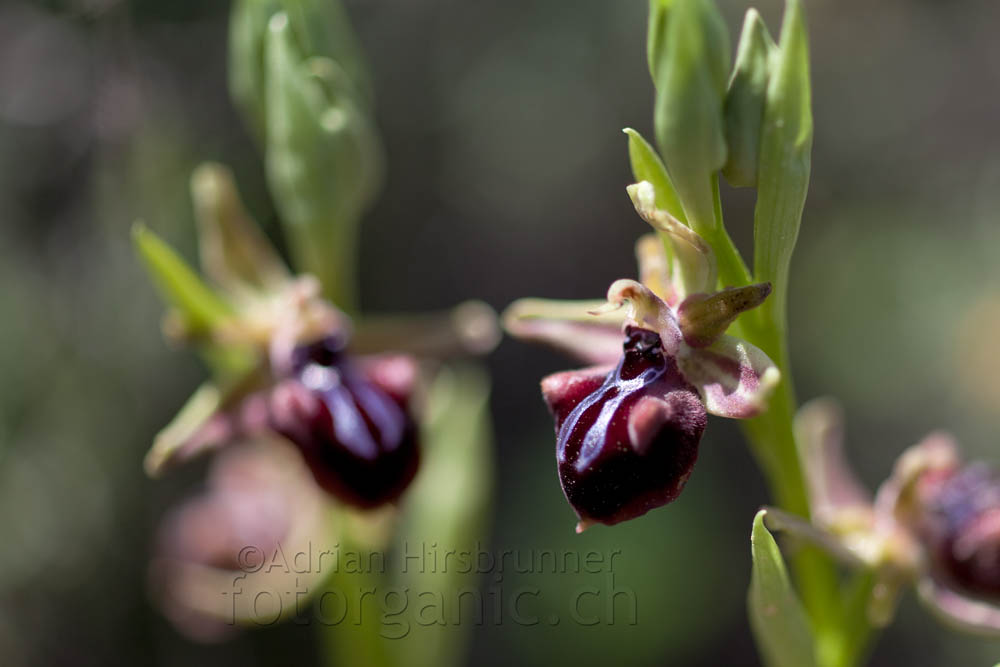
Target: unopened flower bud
x,y
351,426
627,440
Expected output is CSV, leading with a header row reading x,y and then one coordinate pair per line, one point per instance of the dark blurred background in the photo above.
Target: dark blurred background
x,y
506,175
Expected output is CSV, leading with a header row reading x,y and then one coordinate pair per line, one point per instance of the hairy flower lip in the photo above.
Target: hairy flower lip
x,y
627,437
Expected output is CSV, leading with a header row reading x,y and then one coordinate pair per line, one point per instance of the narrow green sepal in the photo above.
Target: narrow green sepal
x,y
691,73
647,166
199,307
779,623
784,163
744,105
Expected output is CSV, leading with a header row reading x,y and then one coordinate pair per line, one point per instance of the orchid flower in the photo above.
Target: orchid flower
x,y
628,434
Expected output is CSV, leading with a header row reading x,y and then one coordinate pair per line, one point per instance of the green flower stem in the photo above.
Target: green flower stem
x,y
772,442
329,252
733,271
356,639
857,633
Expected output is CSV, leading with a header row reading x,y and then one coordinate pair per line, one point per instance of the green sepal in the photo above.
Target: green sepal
x,y
198,306
647,166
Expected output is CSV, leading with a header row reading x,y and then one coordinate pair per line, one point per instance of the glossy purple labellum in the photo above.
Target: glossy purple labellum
x,y
627,440
962,528
354,433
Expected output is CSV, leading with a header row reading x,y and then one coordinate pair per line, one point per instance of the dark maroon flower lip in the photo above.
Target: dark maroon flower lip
x,y
626,439
356,437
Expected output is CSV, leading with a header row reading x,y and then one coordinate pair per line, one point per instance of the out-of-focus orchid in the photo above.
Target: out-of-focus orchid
x,y
212,551
933,522
349,415
290,373
628,436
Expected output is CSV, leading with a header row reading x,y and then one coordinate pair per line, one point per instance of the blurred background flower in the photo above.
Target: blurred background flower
x,y
505,169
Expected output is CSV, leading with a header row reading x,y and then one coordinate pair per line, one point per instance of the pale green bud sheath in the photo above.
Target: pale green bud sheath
x,y
247,29
744,105
323,158
322,28
656,32
784,163
690,71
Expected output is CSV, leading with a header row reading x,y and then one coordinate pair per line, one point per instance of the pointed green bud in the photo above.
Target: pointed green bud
x,y
656,32
783,166
323,160
198,306
744,105
324,29
321,28
247,28
235,253
691,72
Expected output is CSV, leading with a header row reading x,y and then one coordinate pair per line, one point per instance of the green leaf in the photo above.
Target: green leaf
x,y
647,166
691,73
779,622
744,105
197,304
783,167
324,160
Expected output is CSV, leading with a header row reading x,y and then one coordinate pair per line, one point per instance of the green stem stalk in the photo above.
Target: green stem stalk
x,y
328,250
772,442
356,639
